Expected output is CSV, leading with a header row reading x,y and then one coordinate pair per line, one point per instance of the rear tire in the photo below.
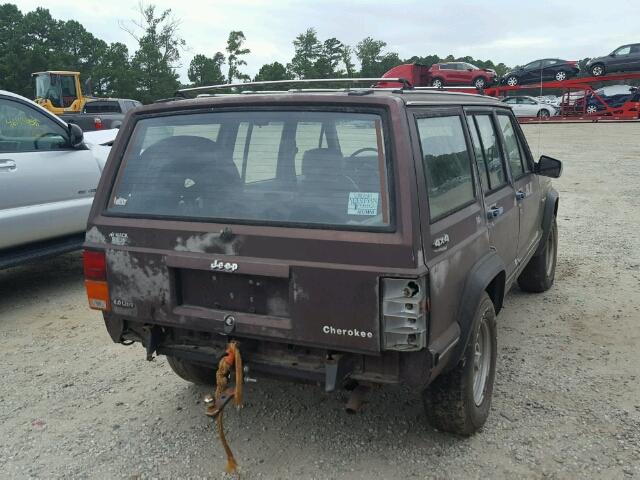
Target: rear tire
x,y
540,272
597,70
459,400
561,76
512,81
192,372
479,83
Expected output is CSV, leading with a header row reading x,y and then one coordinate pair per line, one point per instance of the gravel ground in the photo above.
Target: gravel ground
x,y
566,402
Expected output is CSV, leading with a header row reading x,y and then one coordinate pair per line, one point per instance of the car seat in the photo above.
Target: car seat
x,y
323,188
188,175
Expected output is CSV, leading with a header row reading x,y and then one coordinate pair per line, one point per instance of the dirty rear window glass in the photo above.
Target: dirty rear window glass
x,y
281,167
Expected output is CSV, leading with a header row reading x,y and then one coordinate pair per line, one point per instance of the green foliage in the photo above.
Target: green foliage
x,y
314,58
35,41
307,51
369,52
273,71
155,61
113,77
234,52
206,71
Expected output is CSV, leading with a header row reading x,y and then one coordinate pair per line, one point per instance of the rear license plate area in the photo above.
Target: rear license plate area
x,y
235,292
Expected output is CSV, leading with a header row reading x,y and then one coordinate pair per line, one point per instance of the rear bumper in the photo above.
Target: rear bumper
x,y
274,359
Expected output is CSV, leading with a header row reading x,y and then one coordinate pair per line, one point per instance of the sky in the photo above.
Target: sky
x,y
508,31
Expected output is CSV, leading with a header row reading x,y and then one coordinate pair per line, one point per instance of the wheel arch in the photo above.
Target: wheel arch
x,y
551,205
487,275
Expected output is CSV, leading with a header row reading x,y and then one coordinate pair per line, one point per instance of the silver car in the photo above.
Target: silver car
x,y
530,107
49,172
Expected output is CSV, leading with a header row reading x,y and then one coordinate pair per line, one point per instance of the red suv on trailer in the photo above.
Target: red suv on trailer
x,y
461,73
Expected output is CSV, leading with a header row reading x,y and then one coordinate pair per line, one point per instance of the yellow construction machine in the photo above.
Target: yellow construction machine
x,y
59,91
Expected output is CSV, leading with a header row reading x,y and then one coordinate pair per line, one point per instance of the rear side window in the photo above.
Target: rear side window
x,y
511,145
491,157
307,168
477,150
447,164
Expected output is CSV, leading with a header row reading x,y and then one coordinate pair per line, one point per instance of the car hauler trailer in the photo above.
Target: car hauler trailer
x,y
572,89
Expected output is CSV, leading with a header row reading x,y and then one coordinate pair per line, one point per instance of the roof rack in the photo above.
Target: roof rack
x,y
454,87
403,81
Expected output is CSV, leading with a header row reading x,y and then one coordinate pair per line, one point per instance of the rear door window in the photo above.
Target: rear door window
x,y
307,168
447,164
511,145
490,159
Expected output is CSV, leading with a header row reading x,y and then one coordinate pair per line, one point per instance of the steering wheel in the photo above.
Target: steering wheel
x,y
362,150
44,135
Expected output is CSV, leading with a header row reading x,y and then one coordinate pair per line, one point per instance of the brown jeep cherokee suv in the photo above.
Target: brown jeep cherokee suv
x,y
355,235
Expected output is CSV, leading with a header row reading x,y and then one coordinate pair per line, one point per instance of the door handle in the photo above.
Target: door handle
x,y
495,212
7,165
520,195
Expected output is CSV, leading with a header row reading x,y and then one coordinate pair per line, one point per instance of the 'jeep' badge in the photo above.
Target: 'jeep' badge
x,y
226,266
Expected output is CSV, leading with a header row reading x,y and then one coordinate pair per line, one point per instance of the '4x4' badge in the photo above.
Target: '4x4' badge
x,y
226,266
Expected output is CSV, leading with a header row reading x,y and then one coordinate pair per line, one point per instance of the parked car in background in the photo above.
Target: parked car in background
x,y
624,58
102,114
542,70
530,107
461,73
550,100
600,101
49,171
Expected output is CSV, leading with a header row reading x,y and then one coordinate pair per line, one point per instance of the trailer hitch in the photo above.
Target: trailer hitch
x,y
215,406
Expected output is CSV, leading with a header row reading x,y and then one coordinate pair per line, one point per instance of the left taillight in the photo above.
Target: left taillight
x,y
95,279
97,123
405,308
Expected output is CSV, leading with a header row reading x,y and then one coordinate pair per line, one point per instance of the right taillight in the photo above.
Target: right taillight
x,y
404,314
95,279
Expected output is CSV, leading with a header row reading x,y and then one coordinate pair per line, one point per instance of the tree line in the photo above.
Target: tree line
x,y
35,41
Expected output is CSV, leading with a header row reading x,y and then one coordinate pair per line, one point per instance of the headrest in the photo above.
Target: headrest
x,y
321,162
181,146
191,156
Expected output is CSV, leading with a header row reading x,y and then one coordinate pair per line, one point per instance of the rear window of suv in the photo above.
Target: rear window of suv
x,y
102,107
297,168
